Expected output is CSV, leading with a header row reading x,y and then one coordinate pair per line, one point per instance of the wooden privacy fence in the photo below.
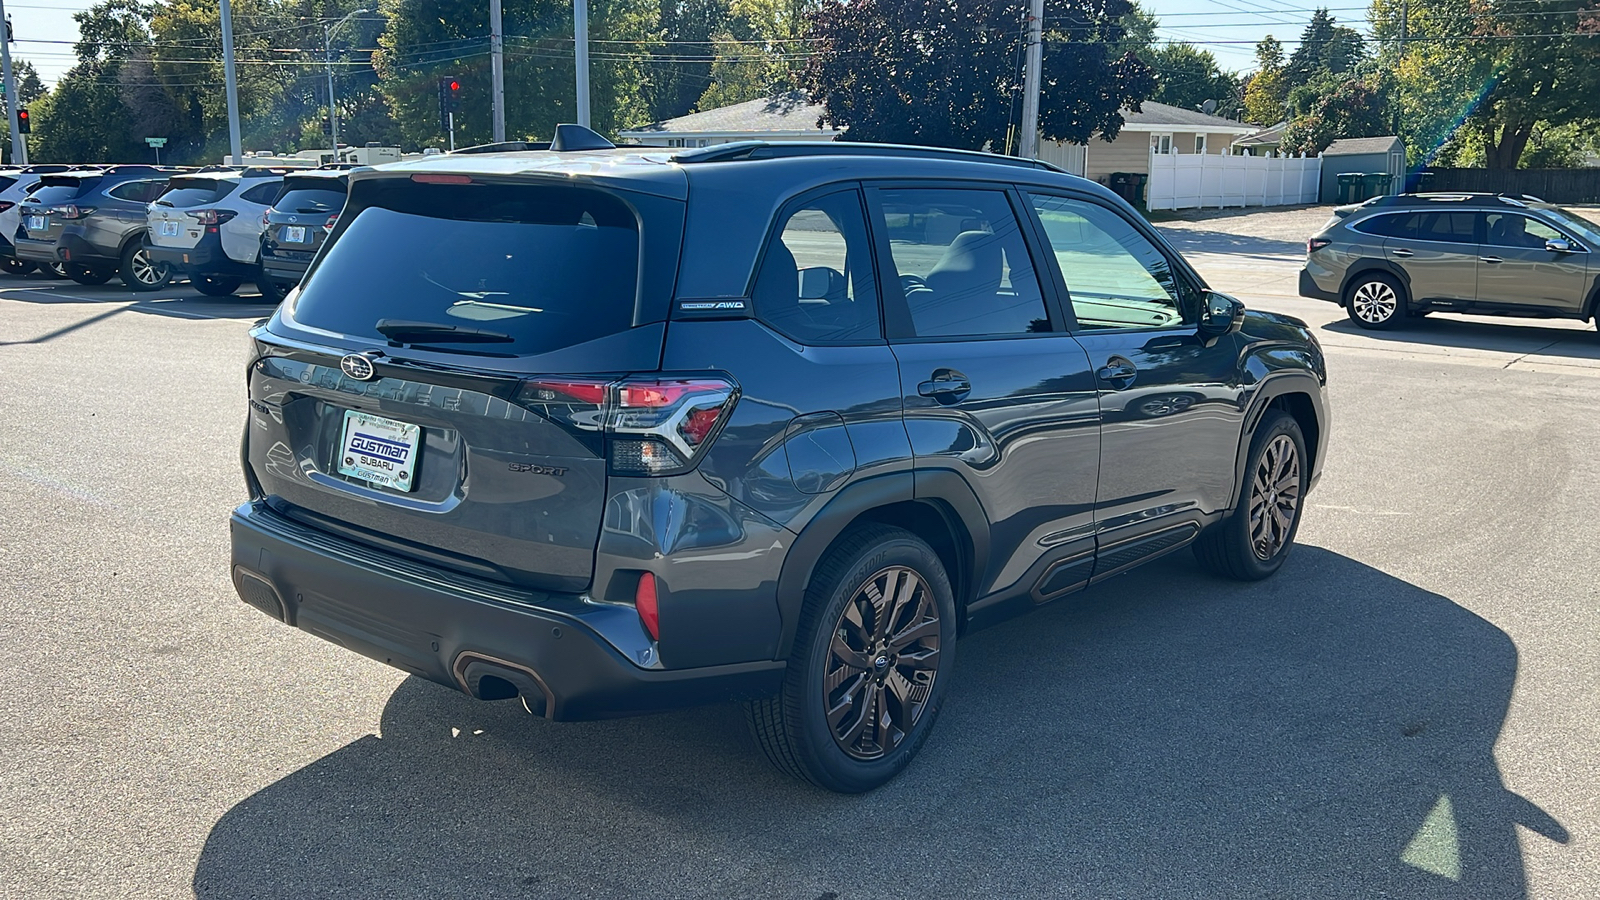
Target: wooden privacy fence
x,y
1554,185
1191,180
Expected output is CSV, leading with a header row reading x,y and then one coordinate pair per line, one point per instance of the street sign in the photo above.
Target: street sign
x,y
156,142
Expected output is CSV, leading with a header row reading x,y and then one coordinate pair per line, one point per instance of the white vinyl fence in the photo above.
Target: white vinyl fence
x,y
1190,180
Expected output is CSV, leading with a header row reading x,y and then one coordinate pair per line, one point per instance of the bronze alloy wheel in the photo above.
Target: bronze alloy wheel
x,y
882,663
1274,497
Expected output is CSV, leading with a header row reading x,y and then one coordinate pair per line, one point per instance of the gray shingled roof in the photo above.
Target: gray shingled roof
x,y
1352,146
1153,113
789,112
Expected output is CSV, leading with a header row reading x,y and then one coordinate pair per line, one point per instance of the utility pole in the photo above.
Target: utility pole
x,y
231,83
1405,28
19,145
580,42
497,61
1029,145
327,48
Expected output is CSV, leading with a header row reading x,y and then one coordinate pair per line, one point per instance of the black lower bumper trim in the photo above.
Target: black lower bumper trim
x,y
417,626
1309,288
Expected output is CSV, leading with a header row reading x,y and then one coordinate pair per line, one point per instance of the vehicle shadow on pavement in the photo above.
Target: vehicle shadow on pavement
x,y
1327,733
1486,334
178,301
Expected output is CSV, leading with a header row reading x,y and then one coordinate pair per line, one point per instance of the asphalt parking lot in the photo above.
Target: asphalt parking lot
x,y
1407,710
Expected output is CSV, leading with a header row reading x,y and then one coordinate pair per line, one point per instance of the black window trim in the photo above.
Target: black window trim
x,y
788,208
898,326
1181,269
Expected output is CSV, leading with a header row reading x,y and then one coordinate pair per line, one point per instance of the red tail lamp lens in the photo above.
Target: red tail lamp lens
x,y
1316,244
644,600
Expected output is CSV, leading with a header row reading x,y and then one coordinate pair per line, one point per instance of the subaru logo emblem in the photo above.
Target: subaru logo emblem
x,y
357,366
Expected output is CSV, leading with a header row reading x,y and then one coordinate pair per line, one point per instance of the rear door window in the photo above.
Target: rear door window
x,y
1446,227
533,269
815,283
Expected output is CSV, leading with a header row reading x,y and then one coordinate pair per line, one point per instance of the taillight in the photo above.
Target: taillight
x,y
651,426
1316,244
644,600
74,212
212,216
5,205
332,220
266,217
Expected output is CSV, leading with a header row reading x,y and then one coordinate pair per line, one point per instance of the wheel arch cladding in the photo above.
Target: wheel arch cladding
x,y
1299,405
1295,392
889,500
1381,267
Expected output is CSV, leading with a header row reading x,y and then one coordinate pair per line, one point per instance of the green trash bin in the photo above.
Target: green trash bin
x,y
1374,184
1349,185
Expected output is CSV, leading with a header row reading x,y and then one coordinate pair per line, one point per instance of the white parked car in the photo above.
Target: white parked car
x,y
208,225
15,185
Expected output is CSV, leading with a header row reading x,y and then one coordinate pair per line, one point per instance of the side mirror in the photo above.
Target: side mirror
x,y
1559,245
1219,315
821,283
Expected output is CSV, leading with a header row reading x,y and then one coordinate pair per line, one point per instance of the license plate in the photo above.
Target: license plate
x,y
378,450
36,223
169,229
294,234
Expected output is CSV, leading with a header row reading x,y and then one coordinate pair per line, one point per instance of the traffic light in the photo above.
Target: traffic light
x,y
449,100
24,121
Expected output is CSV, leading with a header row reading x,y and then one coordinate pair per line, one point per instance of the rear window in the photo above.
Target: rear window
x,y
303,200
6,181
56,193
185,194
546,267
1396,225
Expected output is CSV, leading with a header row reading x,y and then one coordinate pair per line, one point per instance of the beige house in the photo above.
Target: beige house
x,y
1156,127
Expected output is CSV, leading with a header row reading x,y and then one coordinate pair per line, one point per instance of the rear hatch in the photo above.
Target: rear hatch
x,y
55,203
177,218
458,446
303,215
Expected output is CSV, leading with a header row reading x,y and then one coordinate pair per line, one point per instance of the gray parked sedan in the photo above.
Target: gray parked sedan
x,y
1485,254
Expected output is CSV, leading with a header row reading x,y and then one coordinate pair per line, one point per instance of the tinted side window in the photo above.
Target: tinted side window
x,y
1514,230
1399,225
1116,277
1447,227
136,191
815,283
961,263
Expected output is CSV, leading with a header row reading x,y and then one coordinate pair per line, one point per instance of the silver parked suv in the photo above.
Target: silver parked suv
x,y
93,222
1403,257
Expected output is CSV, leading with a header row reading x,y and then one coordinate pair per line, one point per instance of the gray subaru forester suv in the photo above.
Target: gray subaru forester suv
x,y
615,430
1401,257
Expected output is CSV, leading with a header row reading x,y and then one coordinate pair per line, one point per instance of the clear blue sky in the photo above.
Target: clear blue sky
x,y
1228,28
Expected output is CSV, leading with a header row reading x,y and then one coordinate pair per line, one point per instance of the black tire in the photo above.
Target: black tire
x,y
139,272
1377,301
13,266
90,275
793,729
1233,547
214,285
271,291
52,270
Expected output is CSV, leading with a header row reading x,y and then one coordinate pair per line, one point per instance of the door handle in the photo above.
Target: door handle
x,y
945,388
1118,372
1401,251
1491,260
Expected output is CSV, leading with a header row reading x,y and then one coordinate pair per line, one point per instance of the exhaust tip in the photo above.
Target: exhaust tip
x,y
487,678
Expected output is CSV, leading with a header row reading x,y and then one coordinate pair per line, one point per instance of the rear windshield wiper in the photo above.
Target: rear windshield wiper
x,y
408,332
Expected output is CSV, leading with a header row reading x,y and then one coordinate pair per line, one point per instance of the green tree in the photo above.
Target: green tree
x,y
762,52
426,39
681,69
1352,109
30,87
946,73
1187,76
1325,48
1267,90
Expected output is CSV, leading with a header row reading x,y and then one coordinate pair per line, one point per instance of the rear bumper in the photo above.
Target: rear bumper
x,y
282,269
436,625
73,247
1310,288
36,251
204,258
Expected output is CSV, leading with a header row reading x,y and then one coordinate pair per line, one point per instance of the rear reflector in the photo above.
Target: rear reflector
x,y
644,599
439,178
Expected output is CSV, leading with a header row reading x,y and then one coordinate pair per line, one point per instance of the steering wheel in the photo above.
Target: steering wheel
x,y
909,283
